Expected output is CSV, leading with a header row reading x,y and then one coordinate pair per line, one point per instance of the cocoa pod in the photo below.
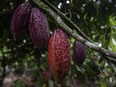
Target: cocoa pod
x,y
46,75
20,21
59,55
79,52
39,29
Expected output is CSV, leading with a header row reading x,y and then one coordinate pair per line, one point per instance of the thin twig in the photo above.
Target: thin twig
x,y
103,77
66,18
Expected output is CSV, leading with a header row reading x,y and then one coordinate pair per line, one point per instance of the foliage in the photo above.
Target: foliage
x,y
96,18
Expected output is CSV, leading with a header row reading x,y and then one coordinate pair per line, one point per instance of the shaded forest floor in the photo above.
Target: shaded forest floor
x,y
28,81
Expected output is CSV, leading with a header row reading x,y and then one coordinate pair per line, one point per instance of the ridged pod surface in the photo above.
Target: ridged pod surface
x,y
39,29
20,21
59,55
79,52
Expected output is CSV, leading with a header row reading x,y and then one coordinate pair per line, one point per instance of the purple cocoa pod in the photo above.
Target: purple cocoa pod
x,y
79,52
20,21
39,29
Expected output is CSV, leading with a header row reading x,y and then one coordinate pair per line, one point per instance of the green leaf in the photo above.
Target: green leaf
x,y
102,83
51,84
18,83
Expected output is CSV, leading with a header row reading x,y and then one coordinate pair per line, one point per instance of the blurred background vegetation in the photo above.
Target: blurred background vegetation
x,y
23,65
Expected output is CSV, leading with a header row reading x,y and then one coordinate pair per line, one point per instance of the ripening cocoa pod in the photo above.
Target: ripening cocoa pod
x,y
20,21
39,29
46,75
59,55
79,52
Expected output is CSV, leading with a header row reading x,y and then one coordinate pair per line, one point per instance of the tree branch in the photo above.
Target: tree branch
x,y
110,55
66,18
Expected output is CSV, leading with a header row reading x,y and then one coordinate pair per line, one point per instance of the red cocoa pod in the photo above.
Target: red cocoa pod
x,y
79,52
20,21
39,29
59,55
46,75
